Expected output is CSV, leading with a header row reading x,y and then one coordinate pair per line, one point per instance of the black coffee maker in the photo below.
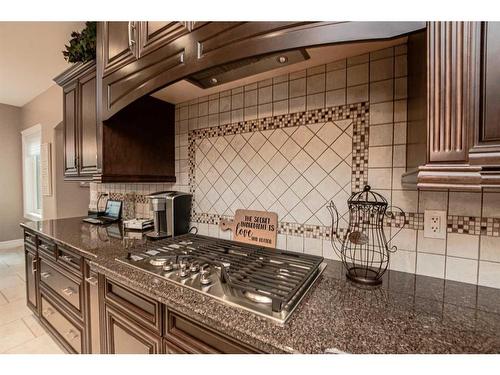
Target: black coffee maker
x,y
171,213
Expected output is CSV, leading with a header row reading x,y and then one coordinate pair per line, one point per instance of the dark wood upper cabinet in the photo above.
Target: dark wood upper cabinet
x,y
486,138
79,120
70,111
135,145
119,44
166,52
88,125
451,64
463,111
155,34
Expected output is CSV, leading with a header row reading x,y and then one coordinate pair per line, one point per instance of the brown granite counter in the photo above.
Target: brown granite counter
x,y
408,314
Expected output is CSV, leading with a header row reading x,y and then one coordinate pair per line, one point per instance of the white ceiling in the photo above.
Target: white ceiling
x,y
30,57
183,90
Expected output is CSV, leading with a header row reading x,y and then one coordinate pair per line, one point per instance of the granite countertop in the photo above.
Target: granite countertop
x,y
408,314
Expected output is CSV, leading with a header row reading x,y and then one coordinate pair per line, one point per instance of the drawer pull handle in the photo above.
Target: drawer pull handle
x,y
91,280
68,291
48,312
45,275
67,258
33,266
72,335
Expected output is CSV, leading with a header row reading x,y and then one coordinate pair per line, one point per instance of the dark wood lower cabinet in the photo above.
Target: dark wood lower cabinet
x,y
68,287
31,277
171,348
86,312
124,336
68,331
187,336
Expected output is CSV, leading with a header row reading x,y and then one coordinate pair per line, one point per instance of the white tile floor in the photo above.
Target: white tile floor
x,y
20,332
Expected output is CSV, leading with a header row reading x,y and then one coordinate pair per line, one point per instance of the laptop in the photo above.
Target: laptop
x,y
112,214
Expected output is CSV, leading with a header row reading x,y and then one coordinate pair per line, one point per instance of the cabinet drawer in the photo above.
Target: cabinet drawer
x,y
70,334
142,309
30,248
69,259
124,336
30,238
47,247
171,348
191,337
68,287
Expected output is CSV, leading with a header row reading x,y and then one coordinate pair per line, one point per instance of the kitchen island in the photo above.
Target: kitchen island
x,y
408,314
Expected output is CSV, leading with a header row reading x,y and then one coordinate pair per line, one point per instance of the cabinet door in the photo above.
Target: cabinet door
x,y
155,34
119,44
88,125
31,283
185,335
123,336
486,148
70,109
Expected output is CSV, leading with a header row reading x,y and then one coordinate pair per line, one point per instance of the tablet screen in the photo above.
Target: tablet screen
x,y
113,208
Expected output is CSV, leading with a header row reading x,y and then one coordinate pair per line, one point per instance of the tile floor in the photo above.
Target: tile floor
x,y
20,332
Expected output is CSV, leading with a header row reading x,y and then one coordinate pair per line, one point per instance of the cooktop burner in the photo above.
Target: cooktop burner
x,y
269,282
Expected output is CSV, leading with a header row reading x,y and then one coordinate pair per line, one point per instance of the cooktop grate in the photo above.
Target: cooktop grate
x,y
277,275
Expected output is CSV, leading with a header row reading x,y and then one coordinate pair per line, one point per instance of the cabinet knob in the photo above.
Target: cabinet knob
x,y
66,258
68,291
45,275
72,335
33,266
48,312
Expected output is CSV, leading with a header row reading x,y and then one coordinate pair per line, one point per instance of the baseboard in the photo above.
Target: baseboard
x,y
11,243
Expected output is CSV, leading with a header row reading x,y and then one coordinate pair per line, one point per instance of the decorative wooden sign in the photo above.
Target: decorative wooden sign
x,y
253,227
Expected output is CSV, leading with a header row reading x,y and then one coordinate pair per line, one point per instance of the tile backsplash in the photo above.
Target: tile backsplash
x,y
293,143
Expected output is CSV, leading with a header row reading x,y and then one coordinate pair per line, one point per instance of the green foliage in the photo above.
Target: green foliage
x,y
81,46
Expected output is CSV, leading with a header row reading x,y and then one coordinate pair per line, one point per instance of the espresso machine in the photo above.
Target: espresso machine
x,y
171,213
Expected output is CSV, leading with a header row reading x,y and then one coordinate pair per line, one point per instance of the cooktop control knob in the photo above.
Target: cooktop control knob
x,y
169,266
205,275
195,267
183,272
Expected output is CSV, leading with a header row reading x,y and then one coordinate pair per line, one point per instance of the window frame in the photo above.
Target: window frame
x,y
30,212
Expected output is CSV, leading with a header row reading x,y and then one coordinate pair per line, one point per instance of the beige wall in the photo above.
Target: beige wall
x,y
11,195
68,198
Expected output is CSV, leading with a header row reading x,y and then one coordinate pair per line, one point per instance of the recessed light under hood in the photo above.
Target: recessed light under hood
x,y
247,67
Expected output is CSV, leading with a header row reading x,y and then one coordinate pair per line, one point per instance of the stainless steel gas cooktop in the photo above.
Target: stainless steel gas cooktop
x,y
268,282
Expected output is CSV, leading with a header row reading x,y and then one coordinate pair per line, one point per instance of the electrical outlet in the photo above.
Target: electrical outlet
x,y
434,224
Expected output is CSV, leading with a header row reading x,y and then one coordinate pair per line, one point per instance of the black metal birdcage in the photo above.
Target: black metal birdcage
x,y
363,248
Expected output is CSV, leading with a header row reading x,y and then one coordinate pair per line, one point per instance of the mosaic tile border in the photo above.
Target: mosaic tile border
x,y
358,113
472,225
413,221
486,226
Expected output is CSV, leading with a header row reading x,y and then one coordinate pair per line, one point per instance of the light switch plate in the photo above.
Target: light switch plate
x,y
435,224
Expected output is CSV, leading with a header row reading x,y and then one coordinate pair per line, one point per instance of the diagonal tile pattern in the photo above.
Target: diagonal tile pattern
x,y
275,170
